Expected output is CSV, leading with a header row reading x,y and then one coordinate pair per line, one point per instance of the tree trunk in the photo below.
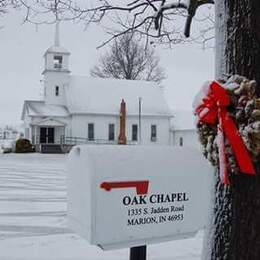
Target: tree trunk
x,y
235,233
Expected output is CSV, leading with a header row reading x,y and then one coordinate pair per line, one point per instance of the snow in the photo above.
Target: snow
x,y
49,122
202,93
57,49
39,108
220,39
6,145
187,2
183,120
33,216
103,96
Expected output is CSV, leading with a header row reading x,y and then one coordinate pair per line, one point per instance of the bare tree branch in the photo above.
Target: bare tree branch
x,y
129,59
151,18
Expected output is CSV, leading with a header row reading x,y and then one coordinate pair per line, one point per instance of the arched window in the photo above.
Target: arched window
x,y
57,91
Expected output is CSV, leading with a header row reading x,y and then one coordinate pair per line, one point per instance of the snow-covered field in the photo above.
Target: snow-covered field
x,y
33,216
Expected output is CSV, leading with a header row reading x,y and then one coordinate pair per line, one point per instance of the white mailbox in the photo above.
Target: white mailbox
x,y
124,196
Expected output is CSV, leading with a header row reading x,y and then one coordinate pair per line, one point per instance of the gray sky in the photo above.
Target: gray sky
x,y
21,63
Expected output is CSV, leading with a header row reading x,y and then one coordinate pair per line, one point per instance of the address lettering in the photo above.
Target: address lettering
x,y
152,209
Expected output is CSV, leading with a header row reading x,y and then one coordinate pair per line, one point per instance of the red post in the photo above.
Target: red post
x,y
122,131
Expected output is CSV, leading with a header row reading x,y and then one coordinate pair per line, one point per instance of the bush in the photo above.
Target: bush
x,y
24,146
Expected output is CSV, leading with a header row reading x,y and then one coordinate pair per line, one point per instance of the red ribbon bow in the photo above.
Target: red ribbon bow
x,y
213,110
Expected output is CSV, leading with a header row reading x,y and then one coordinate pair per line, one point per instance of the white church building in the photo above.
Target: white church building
x,y
82,109
183,129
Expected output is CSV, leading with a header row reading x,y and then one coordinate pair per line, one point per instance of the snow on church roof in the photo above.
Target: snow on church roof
x,y
57,49
39,108
103,96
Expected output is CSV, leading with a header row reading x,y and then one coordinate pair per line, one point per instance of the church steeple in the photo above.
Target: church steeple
x,y
56,71
56,57
57,34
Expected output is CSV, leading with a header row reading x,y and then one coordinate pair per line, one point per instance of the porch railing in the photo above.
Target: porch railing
x,y
69,140
80,140
6,138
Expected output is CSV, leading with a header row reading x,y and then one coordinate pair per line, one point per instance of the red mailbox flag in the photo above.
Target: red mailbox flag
x,y
141,186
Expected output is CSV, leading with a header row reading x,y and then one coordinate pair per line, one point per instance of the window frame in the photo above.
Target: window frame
x,y
57,61
153,133
92,137
134,134
111,135
57,91
181,141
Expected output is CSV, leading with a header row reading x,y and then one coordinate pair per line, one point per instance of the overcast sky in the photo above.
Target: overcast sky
x,y
21,63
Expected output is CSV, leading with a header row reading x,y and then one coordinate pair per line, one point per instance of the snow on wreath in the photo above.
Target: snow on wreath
x,y
228,124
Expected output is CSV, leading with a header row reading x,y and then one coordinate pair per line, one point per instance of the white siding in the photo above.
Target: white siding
x,y
101,122
27,127
163,129
80,126
51,80
190,138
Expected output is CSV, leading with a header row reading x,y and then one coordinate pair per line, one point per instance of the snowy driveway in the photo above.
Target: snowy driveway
x,y
33,216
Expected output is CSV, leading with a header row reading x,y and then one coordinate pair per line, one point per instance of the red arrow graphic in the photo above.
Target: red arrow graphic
x,y
141,186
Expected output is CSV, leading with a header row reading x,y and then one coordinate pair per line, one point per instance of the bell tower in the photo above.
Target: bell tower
x,y
56,72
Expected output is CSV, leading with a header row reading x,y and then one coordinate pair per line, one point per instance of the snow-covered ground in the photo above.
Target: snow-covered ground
x,y
33,216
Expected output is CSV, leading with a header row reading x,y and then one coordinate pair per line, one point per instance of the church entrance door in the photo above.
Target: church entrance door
x,y
47,135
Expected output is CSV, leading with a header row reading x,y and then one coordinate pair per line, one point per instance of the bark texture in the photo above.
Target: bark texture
x,y
243,38
236,234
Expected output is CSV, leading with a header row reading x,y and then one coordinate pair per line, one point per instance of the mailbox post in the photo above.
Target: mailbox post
x,y
138,253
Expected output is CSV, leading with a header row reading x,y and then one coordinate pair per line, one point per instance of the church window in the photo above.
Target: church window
x,y
153,133
134,132
57,91
111,132
57,62
91,133
181,141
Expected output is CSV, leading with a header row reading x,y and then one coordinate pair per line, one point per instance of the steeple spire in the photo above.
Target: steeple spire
x,y
57,34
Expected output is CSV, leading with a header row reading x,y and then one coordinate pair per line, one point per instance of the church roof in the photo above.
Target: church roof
x,y
57,49
49,122
39,108
103,96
